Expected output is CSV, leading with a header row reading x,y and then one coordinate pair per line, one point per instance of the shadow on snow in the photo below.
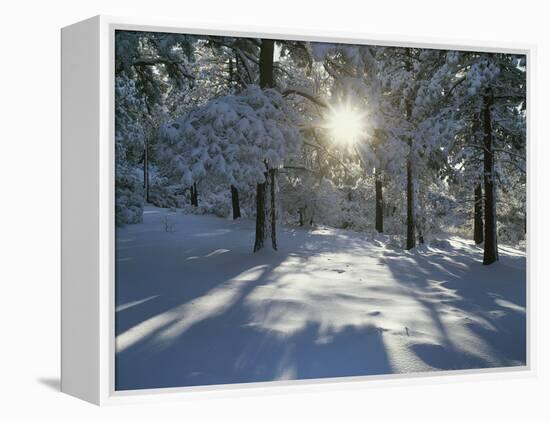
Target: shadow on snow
x,y
196,307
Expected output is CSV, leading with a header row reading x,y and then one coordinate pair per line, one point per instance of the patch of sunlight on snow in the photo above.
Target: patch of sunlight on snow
x,y
286,369
401,358
288,373
219,231
322,231
511,251
312,293
510,305
429,350
134,303
214,253
465,341
186,315
302,294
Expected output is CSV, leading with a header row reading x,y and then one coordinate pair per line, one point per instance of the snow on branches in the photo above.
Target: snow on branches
x,y
233,139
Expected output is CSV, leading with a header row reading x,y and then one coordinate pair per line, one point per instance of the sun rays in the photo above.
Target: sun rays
x,y
346,123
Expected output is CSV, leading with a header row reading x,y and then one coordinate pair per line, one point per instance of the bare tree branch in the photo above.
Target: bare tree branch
x,y
306,95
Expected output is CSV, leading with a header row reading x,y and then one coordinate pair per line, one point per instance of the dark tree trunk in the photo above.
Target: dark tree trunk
x,y
478,214
411,241
146,172
266,64
490,249
273,174
260,217
194,195
235,202
379,201
301,215
266,81
478,190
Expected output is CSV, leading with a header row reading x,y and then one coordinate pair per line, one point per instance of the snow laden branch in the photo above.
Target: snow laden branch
x,y
231,139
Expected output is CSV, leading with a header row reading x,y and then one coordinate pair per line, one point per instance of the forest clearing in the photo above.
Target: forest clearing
x,y
194,307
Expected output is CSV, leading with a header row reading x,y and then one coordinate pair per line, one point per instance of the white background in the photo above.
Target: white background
x,y
29,233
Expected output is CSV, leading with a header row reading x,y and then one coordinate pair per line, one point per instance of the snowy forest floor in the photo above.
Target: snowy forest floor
x,y
195,306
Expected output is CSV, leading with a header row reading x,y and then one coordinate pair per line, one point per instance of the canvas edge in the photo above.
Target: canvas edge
x,y
80,87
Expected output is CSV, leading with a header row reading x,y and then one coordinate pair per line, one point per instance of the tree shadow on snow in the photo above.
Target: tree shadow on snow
x,y
203,329
196,307
453,286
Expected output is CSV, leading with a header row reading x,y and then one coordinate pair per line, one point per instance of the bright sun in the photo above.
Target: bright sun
x,y
346,124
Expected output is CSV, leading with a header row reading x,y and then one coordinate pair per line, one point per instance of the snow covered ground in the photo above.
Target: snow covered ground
x,y
195,306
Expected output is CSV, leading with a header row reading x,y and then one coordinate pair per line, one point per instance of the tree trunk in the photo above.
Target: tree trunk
x,y
260,217
146,171
379,202
235,202
273,174
266,64
478,190
411,241
266,81
194,195
478,214
490,249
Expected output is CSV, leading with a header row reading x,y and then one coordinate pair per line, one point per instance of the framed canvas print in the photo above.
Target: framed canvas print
x,y
263,209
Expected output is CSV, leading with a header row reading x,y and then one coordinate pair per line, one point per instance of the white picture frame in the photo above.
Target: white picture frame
x,y
88,215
